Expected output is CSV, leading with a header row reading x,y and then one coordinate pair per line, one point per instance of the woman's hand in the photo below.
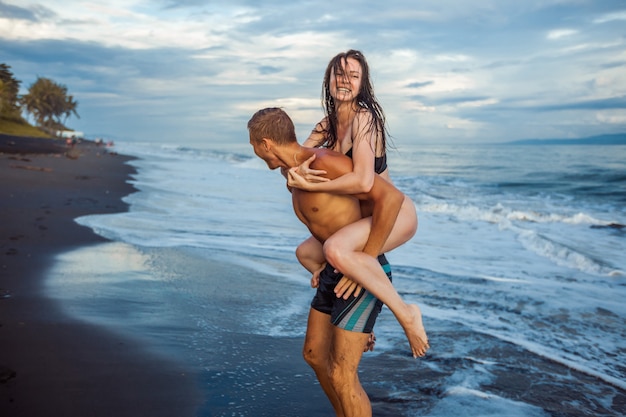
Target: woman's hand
x,y
300,176
346,287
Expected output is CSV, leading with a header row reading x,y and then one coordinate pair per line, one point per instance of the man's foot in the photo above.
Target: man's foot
x,y
416,333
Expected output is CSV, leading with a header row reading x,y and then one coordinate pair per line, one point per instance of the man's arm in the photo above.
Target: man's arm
x,y
387,201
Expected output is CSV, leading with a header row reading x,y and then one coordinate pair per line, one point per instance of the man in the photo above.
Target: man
x,y
337,328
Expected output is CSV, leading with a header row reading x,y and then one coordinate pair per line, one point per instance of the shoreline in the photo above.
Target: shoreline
x,y
49,362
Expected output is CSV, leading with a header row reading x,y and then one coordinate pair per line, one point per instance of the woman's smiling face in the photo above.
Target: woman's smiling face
x,y
345,81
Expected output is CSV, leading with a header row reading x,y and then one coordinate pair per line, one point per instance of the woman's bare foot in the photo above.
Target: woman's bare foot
x,y
416,333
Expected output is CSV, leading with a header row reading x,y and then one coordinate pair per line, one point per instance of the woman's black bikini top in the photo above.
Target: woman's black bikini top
x,y
380,162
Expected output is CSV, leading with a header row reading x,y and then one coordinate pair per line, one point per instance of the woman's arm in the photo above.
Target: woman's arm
x,y
361,179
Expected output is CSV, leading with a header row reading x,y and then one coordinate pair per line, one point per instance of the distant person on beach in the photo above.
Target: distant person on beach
x,y
338,328
355,126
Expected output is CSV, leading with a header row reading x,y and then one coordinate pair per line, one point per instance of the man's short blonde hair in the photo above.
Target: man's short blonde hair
x,y
272,123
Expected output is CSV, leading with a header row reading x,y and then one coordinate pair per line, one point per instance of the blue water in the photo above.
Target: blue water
x,y
520,249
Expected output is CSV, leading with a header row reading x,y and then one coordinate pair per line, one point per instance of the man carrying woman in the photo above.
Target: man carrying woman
x,y
355,126
354,214
337,327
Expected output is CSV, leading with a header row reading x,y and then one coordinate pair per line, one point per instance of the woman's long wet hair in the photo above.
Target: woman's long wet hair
x,y
365,99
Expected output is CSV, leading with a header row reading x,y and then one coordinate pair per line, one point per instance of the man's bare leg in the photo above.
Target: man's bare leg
x,y
317,353
346,355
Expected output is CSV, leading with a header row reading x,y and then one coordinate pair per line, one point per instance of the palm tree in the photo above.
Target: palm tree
x,y
48,102
9,87
70,108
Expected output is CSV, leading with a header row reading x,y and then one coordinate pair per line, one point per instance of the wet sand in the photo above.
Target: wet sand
x,y
51,364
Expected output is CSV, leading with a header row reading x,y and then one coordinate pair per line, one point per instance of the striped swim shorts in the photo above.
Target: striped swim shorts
x,y
356,314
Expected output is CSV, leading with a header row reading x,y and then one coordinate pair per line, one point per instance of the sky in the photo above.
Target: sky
x,y
194,71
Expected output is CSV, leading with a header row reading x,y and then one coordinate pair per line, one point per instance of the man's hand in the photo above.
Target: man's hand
x,y
346,287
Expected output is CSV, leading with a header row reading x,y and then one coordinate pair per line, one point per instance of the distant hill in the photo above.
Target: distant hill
x,y
615,139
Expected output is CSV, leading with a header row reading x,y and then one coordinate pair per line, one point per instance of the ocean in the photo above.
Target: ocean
x,y
518,265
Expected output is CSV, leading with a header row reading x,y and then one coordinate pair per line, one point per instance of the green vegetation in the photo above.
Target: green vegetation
x,y
9,88
20,128
46,101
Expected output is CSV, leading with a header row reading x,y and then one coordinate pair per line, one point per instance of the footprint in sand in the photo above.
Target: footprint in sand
x,y
6,374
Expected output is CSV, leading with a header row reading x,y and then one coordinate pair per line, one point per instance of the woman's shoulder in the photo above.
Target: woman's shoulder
x,y
366,129
363,118
364,112
363,126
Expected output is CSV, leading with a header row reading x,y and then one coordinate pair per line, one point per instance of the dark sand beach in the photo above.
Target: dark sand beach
x,y
51,364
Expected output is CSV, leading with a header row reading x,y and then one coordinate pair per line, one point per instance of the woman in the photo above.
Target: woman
x,y
355,125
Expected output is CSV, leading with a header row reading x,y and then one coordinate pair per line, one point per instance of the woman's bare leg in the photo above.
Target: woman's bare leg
x,y
310,254
344,251
311,257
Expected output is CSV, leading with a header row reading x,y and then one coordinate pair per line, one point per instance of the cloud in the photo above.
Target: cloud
x,y
560,33
420,84
609,103
154,68
32,13
611,17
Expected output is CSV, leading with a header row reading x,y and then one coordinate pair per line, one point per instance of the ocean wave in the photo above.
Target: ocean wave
x,y
576,354
499,213
564,255
524,225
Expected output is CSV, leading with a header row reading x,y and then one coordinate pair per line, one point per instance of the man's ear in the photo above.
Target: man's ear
x,y
267,143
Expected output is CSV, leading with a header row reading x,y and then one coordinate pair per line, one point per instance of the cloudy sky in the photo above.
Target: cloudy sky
x,y
444,70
